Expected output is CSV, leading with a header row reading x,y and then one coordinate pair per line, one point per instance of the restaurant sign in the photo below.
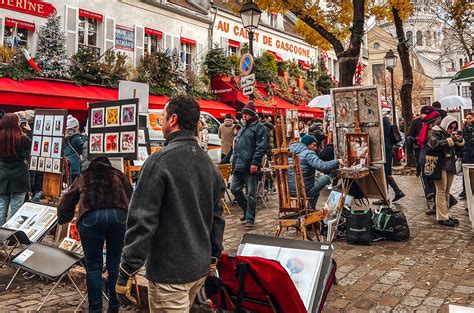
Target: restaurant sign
x,y
32,7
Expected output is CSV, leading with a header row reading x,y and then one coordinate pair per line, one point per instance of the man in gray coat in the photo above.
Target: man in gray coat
x,y
175,224
249,148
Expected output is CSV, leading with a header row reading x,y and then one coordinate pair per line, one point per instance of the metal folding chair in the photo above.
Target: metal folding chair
x,y
48,262
8,236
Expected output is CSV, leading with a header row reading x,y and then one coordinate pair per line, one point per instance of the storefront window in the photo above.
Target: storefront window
x,y
186,54
233,50
88,32
152,43
18,39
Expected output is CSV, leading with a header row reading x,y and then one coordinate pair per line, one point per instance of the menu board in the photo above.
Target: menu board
x,y
124,38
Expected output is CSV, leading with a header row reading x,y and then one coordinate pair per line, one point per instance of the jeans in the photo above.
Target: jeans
x,y
319,185
95,227
248,204
9,204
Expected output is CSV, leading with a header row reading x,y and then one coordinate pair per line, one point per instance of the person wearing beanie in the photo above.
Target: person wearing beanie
x,y
310,163
226,135
445,139
74,144
249,148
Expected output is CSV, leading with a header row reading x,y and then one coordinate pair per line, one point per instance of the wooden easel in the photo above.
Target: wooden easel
x,y
293,211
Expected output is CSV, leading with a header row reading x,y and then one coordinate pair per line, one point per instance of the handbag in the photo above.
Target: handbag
x,y
433,164
391,224
395,136
359,227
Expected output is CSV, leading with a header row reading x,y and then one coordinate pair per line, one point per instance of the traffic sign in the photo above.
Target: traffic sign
x,y
248,90
246,64
248,80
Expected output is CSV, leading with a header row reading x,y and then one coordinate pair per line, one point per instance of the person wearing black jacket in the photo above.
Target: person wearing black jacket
x,y
249,148
175,225
437,106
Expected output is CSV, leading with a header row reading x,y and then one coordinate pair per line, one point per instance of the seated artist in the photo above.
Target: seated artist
x,y
310,163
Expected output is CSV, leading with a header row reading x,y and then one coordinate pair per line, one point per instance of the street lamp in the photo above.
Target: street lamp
x,y
390,60
250,15
458,85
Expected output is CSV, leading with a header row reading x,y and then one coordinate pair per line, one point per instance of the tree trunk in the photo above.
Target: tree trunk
x,y
407,84
348,60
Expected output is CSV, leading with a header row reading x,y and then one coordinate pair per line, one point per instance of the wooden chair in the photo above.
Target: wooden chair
x,y
293,210
226,171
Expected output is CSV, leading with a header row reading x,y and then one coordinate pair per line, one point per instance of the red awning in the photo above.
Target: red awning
x,y
304,65
188,41
153,32
93,15
55,94
233,43
277,57
20,24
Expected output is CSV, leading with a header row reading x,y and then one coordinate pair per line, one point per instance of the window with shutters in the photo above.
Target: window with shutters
x,y
186,54
18,38
87,32
153,43
419,38
233,50
466,92
272,19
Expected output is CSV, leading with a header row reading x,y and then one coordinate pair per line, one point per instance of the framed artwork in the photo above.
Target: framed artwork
x,y
344,106
36,146
141,137
358,150
97,118
48,165
57,146
57,166
33,163
111,142
41,164
58,125
127,142
46,147
367,101
142,155
128,114
96,143
112,116
48,125
38,127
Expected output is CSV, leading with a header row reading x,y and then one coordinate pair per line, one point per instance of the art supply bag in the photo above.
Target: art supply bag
x,y
359,226
391,224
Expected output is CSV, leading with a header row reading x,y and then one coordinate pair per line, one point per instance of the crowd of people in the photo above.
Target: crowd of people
x,y
176,208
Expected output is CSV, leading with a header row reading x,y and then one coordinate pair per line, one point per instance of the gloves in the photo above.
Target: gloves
x,y
123,288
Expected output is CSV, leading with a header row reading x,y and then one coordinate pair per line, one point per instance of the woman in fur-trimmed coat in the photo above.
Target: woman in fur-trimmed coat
x,y
103,194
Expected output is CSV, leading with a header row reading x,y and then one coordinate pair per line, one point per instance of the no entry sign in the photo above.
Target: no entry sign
x,y
246,64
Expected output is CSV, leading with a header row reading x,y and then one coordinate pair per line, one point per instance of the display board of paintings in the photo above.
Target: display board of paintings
x,y
48,140
113,129
358,109
33,219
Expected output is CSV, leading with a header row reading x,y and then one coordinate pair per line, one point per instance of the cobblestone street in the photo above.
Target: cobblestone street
x,y
433,269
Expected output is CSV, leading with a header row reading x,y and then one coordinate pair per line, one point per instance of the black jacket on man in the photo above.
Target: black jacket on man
x,y
250,146
468,150
175,221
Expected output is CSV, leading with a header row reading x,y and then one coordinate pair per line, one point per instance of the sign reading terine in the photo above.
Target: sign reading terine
x,y
32,7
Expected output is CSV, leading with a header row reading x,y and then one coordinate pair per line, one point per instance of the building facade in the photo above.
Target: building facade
x,y
431,42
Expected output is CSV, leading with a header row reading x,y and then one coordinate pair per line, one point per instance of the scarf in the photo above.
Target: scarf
x,y
421,140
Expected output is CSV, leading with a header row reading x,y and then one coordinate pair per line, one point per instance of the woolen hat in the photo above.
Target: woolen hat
x,y
427,109
307,139
71,122
229,116
249,109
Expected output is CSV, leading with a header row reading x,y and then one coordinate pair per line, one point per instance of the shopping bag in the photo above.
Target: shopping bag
x,y
391,224
359,226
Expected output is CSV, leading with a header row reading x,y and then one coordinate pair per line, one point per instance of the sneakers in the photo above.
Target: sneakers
x,y
398,197
431,211
448,223
242,220
454,220
249,225
462,196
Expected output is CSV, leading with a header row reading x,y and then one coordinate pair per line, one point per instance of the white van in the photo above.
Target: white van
x,y
154,121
